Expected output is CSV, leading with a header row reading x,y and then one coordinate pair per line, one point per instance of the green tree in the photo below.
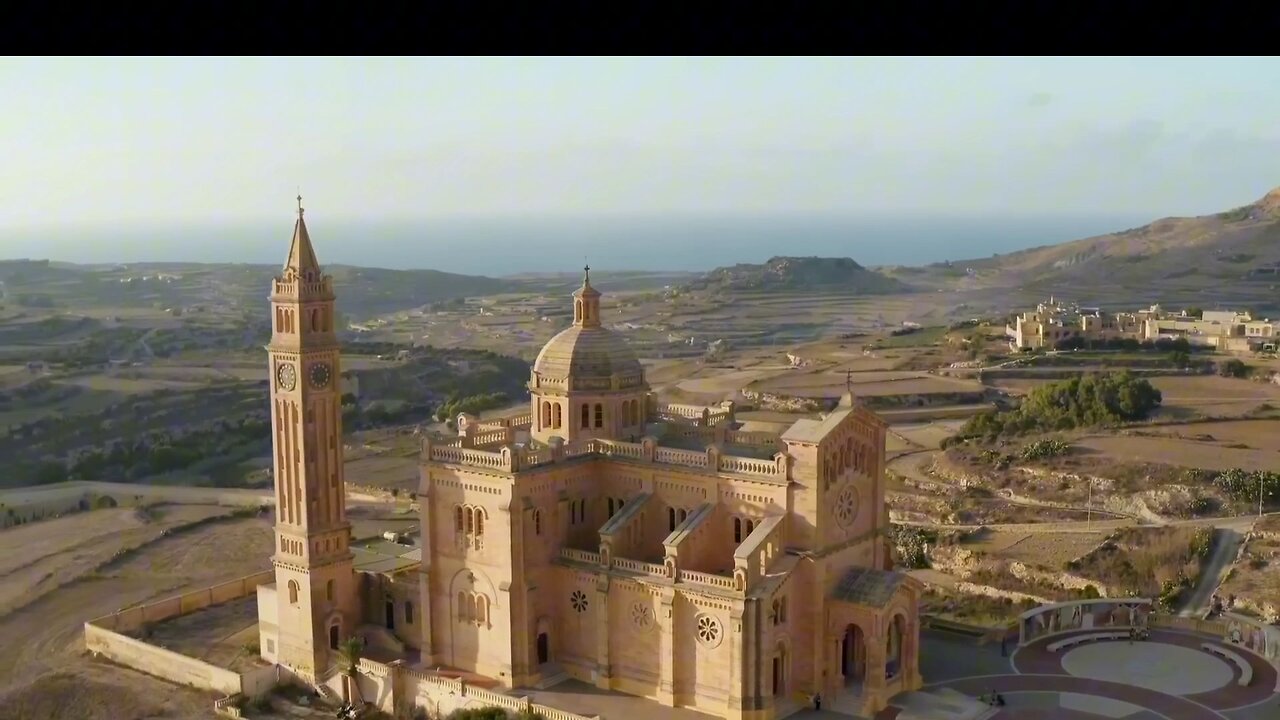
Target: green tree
x,y
1233,368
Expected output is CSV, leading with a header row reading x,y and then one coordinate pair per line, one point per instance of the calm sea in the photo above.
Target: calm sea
x,y
507,246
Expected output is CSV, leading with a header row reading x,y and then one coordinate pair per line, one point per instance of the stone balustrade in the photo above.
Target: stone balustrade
x,y
676,456
509,458
639,566
501,436
723,582
582,556
751,438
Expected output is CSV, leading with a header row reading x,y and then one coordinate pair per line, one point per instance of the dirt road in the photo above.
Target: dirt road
x,y
1226,543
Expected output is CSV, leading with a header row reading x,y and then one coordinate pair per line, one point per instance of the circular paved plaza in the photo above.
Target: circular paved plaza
x,y
1159,666
1168,677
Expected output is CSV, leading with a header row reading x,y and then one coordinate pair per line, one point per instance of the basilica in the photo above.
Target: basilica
x,y
601,536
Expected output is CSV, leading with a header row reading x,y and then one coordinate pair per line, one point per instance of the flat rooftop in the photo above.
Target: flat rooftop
x,y
385,557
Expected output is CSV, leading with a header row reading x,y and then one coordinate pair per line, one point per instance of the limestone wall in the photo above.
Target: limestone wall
x,y
105,636
159,662
130,619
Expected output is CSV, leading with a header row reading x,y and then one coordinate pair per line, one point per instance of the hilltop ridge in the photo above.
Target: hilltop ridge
x,y
1240,244
783,273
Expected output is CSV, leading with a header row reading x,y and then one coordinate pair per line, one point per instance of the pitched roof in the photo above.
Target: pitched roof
x,y
867,586
302,257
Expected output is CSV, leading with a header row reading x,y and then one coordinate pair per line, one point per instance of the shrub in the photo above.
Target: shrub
x,y
1201,542
1233,368
1241,485
103,502
911,544
1045,449
1099,399
486,713
1090,592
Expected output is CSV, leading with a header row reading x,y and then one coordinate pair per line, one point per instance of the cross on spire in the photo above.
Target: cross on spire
x,y
299,204
586,274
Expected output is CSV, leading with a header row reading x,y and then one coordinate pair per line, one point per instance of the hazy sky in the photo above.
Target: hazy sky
x,y
123,141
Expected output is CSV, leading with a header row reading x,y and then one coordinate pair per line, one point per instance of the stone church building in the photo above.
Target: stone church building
x,y
602,536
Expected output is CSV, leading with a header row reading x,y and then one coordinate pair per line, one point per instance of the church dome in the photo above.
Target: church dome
x,y
589,354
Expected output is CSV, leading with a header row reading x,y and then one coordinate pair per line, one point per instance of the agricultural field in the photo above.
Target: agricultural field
x,y
1048,548
1249,445
72,569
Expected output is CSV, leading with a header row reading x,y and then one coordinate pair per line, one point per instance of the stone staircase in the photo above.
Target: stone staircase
x,y
552,675
380,638
941,704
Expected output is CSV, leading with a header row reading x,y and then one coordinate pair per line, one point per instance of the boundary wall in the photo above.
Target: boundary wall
x,y
106,637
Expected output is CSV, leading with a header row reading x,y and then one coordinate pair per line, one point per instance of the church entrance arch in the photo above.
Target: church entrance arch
x,y
780,671
334,633
543,641
853,655
895,652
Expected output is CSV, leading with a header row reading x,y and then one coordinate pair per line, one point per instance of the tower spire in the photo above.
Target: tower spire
x,y
302,257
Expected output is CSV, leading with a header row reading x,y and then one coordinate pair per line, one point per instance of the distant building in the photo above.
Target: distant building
x,y
1052,322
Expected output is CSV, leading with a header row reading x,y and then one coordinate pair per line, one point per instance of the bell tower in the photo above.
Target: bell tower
x,y
316,591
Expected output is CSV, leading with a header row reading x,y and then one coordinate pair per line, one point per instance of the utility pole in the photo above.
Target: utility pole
x,y
1261,476
1089,507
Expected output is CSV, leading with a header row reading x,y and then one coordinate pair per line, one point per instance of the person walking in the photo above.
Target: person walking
x,y
817,701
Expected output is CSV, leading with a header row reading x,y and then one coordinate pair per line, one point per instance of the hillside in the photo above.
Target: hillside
x,y
792,274
1240,245
230,287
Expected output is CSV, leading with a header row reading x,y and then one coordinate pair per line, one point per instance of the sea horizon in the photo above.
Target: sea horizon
x,y
504,246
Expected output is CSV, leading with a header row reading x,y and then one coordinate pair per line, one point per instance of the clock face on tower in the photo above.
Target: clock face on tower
x,y
320,375
286,376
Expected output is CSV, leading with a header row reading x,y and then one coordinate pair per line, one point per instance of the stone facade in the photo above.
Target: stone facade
x,y
651,549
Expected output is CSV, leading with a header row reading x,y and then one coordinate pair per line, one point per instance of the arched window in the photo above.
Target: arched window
x,y
737,530
315,320
586,415
459,525
751,527
577,310
555,416
671,519
479,522
482,609
328,591
546,414
293,592
599,415
537,522
682,514
279,320
408,612
464,609
470,516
